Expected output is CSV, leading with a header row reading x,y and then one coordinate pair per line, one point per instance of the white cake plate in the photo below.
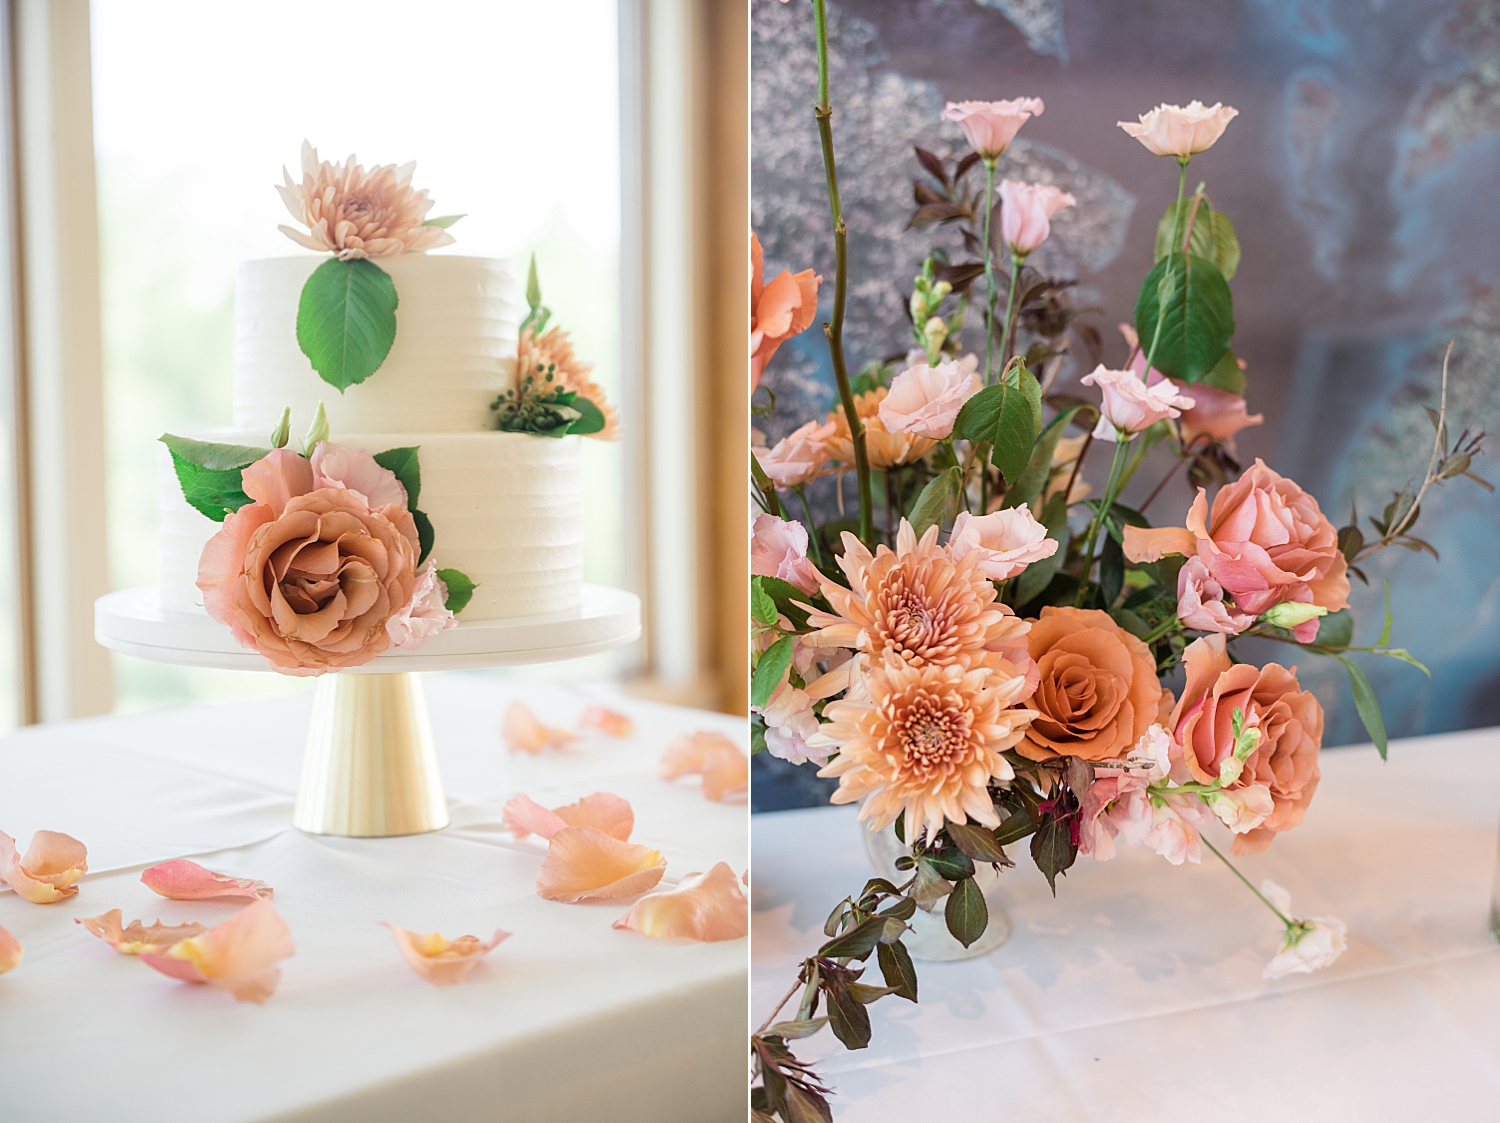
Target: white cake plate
x,y
370,769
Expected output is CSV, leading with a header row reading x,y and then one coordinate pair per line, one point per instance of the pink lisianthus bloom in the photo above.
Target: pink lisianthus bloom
x,y
1216,414
992,125
1130,405
790,722
1171,130
426,614
1008,540
355,470
925,400
778,548
798,457
1201,604
1265,541
1026,211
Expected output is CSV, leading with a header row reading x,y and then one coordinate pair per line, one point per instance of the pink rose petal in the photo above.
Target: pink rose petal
x,y
704,906
523,817
440,961
523,733
606,721
182,880
584,863
725,770
10,951
277,478
47,872
137,938
239,956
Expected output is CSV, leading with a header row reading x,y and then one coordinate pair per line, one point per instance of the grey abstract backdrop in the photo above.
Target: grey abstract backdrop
x,y
1363,175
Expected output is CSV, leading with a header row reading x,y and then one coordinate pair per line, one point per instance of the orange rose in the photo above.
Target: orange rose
x,y
1289,719
308,580
1098,691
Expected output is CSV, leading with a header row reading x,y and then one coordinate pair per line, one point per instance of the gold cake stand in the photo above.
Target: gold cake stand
x,y
370,769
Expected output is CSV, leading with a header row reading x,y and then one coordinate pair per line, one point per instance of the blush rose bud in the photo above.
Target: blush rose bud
x,y
316,432
1288,614
1026,211
283,428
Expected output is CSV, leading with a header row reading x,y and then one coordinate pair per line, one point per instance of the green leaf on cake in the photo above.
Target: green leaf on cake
x,y
1198,319
445,220
425,535
460,589
346,320
402,463
591,418
210,473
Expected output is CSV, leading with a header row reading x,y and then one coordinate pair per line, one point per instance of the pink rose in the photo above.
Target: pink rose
x,y
426,614
778,548
1200,601
1026,210
355,470
992,125
1130,405
1266,542
1008,540
1170,130
797,457
925,400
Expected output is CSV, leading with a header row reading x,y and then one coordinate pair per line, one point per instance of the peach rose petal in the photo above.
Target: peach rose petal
x,y
606,721
703,906
137,938
239,956
523,733
47,872
584,863
609,813
725,769
10,951
443,962
182,880
523,817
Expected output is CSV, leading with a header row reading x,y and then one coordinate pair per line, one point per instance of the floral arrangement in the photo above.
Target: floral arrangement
x,y
346,317
994,661
323,559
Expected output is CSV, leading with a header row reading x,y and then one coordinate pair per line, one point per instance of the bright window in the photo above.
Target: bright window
x,y
511,111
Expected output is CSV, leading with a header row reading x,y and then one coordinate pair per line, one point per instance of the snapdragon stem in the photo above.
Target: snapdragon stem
x,y
835,329
1290,923
989,271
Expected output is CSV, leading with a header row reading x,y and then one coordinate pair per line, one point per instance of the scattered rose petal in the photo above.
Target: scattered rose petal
x,y
10,951
46,875
726,770
606,721
584,863
239,956
704,906
136,937
182,880
523,733
443,962
523,816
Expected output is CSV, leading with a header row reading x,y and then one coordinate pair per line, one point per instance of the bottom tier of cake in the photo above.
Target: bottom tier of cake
x,y
506,509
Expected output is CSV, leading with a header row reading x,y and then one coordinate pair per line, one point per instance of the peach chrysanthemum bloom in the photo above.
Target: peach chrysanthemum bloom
x,y
917,603
354,212
927,743
550,361
885,449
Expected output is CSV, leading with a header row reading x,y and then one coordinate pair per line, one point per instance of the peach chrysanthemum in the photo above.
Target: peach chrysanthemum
x,y
885,449
354,212
926,743
549,358
917,603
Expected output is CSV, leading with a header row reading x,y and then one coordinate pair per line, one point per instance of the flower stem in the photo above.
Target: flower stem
x,y
765,487
1235,870
989,272
1110,489
812,527
1011,311
835,330
1161,308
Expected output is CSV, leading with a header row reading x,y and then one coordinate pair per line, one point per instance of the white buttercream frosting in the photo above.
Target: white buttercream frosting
x,y
455,348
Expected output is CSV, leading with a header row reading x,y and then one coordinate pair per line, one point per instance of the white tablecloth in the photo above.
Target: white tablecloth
x,y
1137,994
568,1019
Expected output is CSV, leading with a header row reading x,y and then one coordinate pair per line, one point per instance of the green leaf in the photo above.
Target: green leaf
x,y
1003,417
590,417
346,320
1198,320
792,1031
762,604
1226,375
1111,570
533,287
976,842
1028,489
214,457
847,1016
403,464
209,473
1038,575
425,535
460,589
1052,849
1385,630
899,972
966,913
444,220
783,593
951,864
769,671
804,1106
938,502
1212,237
1336,629
929,887
757,738
857,942
1014,829
1366,703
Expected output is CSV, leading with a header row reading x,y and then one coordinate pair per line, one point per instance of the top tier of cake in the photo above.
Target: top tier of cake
x,y
454,351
